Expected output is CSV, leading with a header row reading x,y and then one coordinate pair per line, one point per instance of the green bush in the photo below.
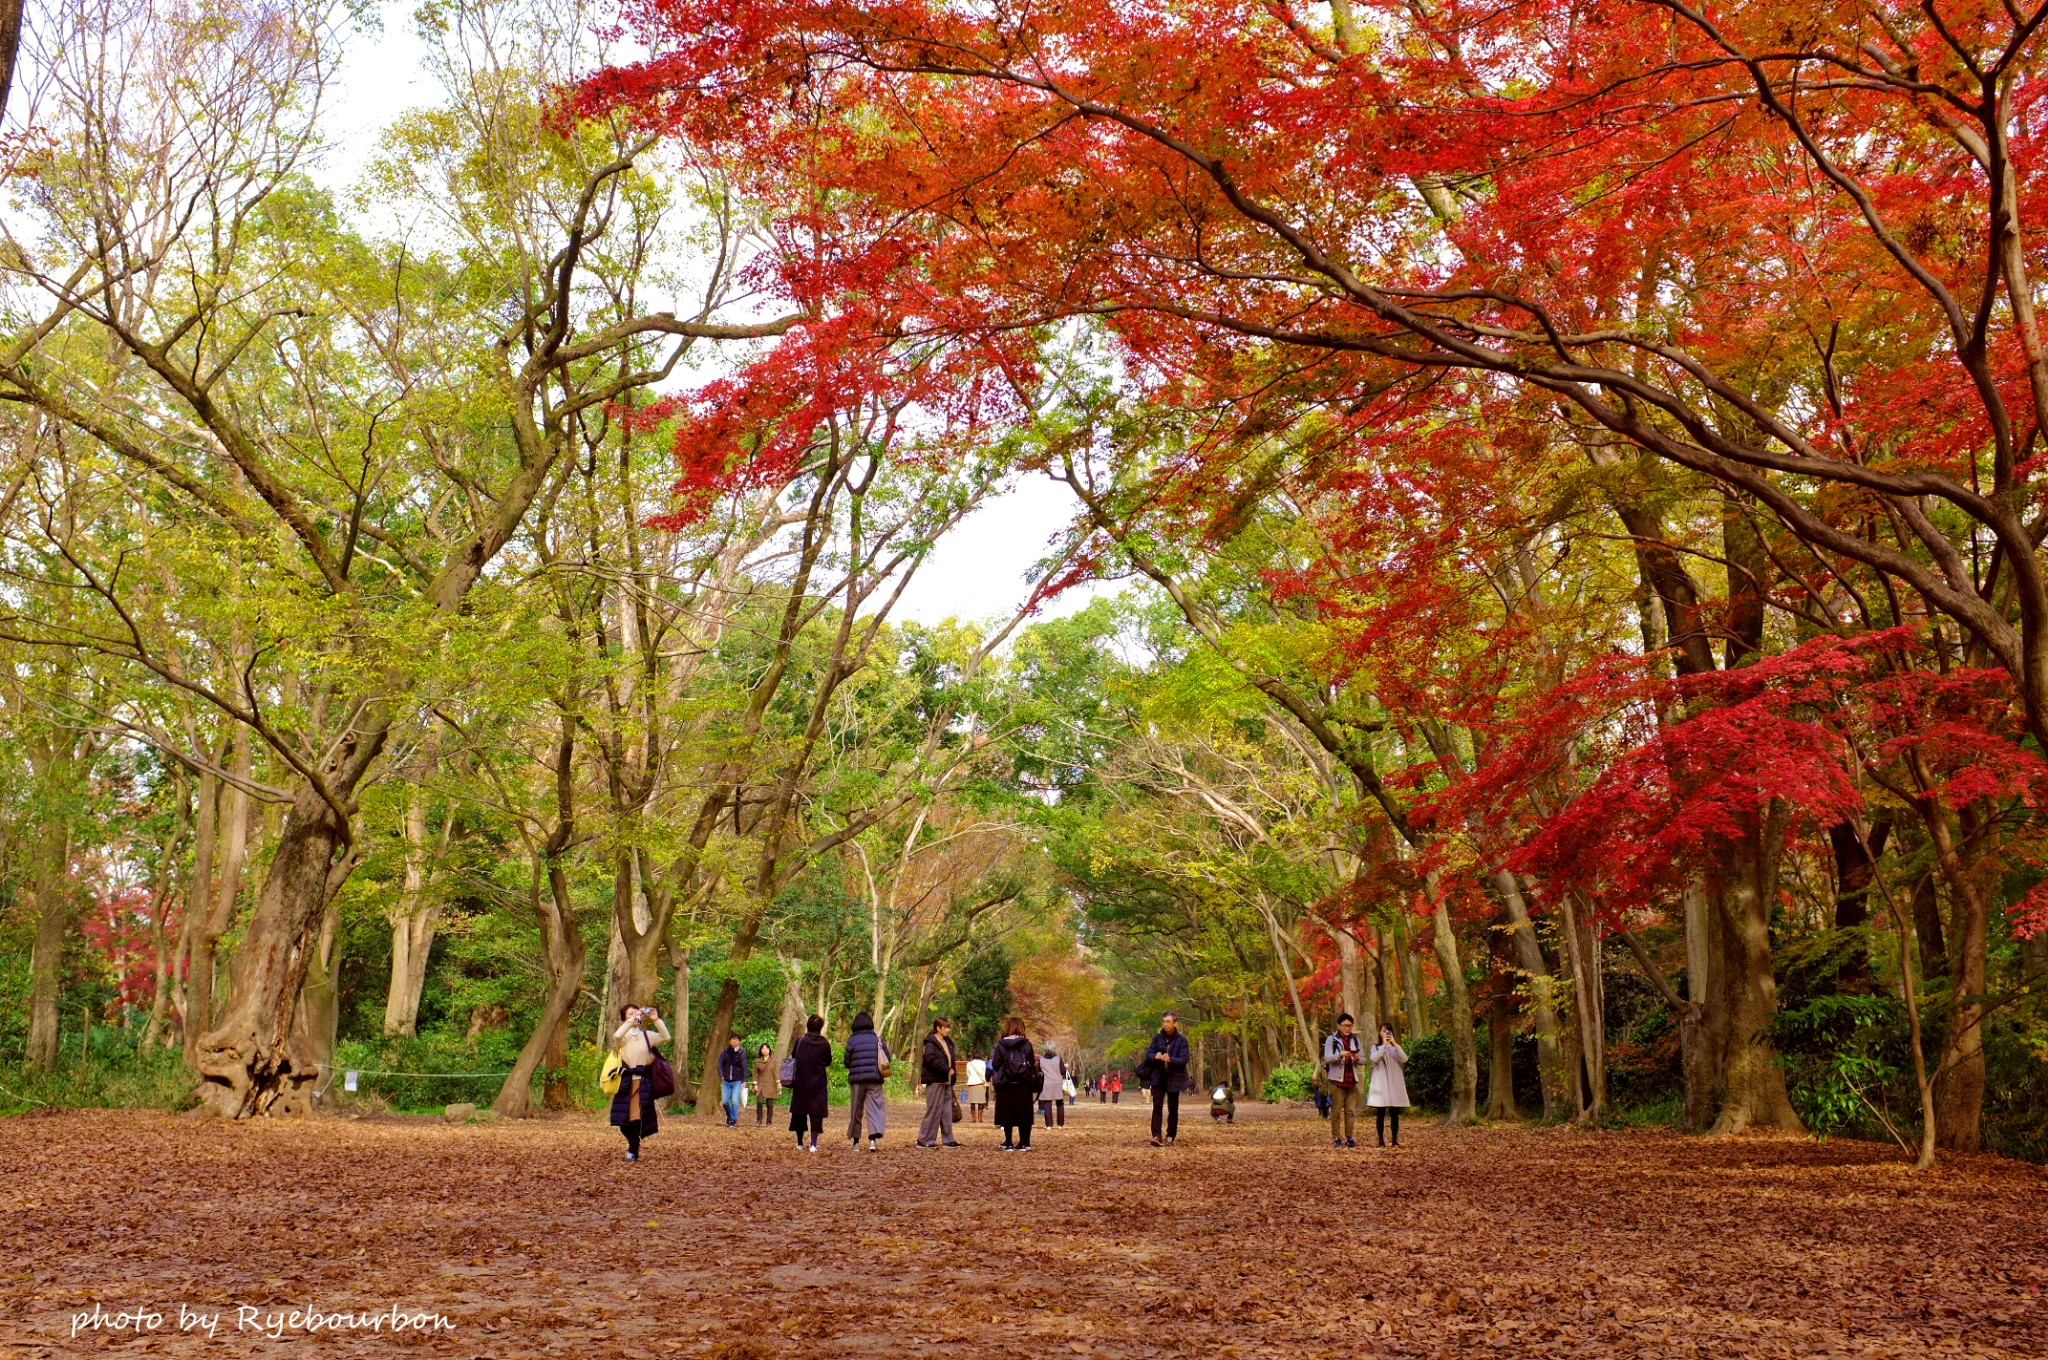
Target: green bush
x,y
1428,1072
413,1074
117,1078
1293,1082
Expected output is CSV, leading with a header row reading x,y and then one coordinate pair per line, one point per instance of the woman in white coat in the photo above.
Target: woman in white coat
x,y
1388,1093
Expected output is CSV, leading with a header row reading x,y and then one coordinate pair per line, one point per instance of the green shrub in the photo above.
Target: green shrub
x,y
1429,1072
118,1078
1293,1082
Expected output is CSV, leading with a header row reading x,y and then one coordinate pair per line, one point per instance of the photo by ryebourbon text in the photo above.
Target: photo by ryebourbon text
x,y
252,1321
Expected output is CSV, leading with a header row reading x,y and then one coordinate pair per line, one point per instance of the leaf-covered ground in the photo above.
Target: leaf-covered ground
x,y
538,1239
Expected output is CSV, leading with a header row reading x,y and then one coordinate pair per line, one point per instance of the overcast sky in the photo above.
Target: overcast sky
x,y
977,572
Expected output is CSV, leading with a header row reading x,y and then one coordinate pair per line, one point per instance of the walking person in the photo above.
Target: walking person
x,y
1165,1071
935,1070
732,1079
807,1080
1116,1089
1388,1094
1052,1097
632,1107
1343,1058
977,1089
867,1063
1013,1067
767,1085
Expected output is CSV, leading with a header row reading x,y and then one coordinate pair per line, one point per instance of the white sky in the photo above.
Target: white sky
x,y
976,572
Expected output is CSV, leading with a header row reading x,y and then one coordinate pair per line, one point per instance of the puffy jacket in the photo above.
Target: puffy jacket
x,y
1013,1061
936,1065
863,1050
732,1064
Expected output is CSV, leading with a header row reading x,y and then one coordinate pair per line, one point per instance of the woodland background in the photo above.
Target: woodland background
x,y
1573,473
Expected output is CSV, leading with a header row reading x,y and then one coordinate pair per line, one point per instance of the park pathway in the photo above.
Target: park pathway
x,y
537,1239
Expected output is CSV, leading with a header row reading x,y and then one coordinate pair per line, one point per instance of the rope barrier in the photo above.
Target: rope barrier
x,y
31,1100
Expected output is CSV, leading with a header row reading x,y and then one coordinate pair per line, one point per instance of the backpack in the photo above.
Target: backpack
x,y
1016,1066
608,1075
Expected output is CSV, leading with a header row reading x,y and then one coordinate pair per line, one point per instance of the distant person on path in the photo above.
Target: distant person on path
x,y
867,1062
1165,1071
632,1109
767,1085
1116,1088
1052,1099
1389,1091
935,1070
1223,1105
1013,1067
732,1079
977,1089
1343,1058
813,1056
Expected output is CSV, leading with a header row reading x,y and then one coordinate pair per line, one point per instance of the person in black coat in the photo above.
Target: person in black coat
x,y
1165,1071
935,1073
1013,1068
813,1056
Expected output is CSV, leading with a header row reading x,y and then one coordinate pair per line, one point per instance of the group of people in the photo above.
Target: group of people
x,y
1345,1061
1024,1080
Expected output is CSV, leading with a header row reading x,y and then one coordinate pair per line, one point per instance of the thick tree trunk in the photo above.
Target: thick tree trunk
x,y
1855,868
319,1018
233,852
56,900
413,922
1959,1090
1500,1026
1350,986
562,946
1550,1058
1458,1015
1588,1010
246,1066
792,1009
1753,1083
1412,996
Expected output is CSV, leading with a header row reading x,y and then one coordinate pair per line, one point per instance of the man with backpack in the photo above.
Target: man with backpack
x,y
1342,1061
1165,1071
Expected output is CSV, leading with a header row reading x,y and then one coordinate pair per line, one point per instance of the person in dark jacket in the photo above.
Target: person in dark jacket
x,y
1165,1071
732,1079
1013,1068
813,1056
935,1070
633,1112
867,1062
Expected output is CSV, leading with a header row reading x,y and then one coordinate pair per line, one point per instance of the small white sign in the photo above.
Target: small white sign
x,y
348,1083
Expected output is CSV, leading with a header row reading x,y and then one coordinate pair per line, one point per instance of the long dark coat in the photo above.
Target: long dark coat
x,y
807,1086
622,1101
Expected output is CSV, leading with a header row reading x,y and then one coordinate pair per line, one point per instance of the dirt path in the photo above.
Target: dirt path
x,y
1257,1240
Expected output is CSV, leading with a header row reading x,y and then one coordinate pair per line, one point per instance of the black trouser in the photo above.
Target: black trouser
x,y
797,1120
763,1109
631,1128
1170,1101
1379,1122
